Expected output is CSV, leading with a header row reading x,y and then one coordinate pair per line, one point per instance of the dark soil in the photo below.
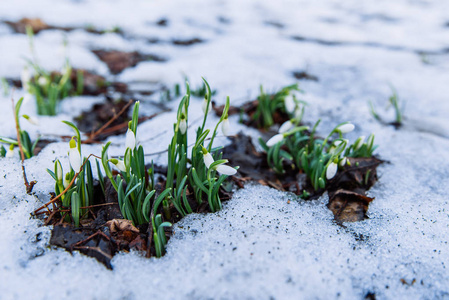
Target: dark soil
x,y
117,61
347,190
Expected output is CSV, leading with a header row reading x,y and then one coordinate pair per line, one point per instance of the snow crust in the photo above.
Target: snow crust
x,y
260,246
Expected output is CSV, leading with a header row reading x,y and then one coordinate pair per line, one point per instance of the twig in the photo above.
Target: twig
x,y
93,135
29,186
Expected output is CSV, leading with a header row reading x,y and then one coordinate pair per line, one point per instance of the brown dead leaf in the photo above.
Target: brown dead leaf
x,y
117,225
21,25
348,206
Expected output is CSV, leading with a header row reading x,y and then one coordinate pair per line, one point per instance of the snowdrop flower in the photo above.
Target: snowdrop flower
x,y
370,140
226,170
32,120
345,128
286,126
290,103
25,77
204,107
183,124
275,139
298,113
66,180
130,141
10,152
59,170
42,81
359,142
225,126
74,156
119,164
331,170
221,168
208,159
343,162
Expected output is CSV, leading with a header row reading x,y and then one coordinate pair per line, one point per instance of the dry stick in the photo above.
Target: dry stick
x,y
66,189
93,135
29,187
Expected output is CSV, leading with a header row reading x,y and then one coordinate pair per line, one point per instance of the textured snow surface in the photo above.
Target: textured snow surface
x,y
264,244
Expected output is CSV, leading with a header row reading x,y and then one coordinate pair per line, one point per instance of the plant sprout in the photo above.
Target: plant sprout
x,y
284,101
318,158
49,88
393,101
27,146
81,193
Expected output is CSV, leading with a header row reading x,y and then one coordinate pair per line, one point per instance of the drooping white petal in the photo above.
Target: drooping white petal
x,y
226,170
66,181
25,77
119,164
298,113
290,104
10,153
359,142
208,159
75,159
343,162
286,126
42,81
130,139
204,106
345,128
225,127
331,170
275,139
183,126
59,170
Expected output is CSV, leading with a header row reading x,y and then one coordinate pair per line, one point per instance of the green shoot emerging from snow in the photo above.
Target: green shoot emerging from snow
x,y
284,101
27,146
49,88
318,158
393,101
81,193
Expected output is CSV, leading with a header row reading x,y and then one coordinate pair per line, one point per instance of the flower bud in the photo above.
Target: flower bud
x,y
275,139
345,128
225,126
331,170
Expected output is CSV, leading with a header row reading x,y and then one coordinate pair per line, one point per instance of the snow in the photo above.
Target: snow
x,y
259,246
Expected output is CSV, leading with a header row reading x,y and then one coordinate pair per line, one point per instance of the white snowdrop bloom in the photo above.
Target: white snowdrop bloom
x,y
204,106
42,81
290,103
119,164
25,77
226,170
59,171
183,126
298,113
221,168
286,126
275,139
343,162
370,140
345,128
32,120
208,159
74,156
359,142
331,170
10,152
225,126
66,181
130,141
